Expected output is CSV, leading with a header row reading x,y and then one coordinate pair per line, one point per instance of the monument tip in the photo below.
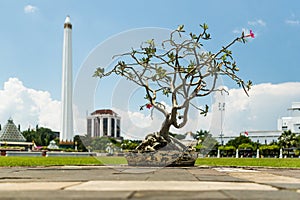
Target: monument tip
x,y
68,20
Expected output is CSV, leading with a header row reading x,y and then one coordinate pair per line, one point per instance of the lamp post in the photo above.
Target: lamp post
x,y
221,109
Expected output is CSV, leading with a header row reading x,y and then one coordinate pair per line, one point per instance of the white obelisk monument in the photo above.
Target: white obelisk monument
x,y
66,132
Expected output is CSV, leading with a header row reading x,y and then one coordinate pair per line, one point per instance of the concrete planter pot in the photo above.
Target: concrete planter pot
x,y
161,158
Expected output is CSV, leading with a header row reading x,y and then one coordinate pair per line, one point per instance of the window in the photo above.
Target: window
x,y
105,126
118,127
112,127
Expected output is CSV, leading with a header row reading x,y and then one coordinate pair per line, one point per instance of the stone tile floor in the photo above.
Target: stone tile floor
x,y
123,182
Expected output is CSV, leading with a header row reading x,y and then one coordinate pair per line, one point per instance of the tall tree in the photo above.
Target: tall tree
x,y
41,136
287,139
236,142
201,135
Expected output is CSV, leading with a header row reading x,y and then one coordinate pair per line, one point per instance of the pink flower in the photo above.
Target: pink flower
x,y
251,34
149,106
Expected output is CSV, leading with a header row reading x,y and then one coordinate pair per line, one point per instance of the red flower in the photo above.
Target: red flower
x,y
149,106
251,34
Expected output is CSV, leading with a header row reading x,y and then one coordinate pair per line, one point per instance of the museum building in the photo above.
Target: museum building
x,y
104,122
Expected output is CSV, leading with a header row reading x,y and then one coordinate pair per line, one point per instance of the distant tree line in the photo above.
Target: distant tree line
x,y
41,136
100,144
289,143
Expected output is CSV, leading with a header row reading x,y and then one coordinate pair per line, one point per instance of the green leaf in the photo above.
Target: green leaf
x,y
171,57
249,85
166,91
224,57
180,28
150,42
193,36
145,60
121,63
234,68
99,72
204,26
206,36
205,111
146,97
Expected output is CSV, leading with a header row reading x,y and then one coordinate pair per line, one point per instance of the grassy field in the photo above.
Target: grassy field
x,y
61,161
110,160
254,162
47,161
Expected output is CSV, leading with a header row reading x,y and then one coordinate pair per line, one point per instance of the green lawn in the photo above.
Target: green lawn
x,y
61,161
47,161
254,162
111,160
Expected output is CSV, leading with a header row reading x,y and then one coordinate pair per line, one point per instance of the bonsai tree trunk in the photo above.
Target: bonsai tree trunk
x,y
162,138
171,120
165,128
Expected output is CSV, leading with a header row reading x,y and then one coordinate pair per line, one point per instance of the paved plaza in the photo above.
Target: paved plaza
x,y
123,182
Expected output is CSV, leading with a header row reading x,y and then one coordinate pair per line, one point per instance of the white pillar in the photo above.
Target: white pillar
x,y
116,120
67,133
101,126
280,153
237,153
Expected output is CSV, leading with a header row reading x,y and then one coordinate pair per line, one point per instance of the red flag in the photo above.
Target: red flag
x,y
246,134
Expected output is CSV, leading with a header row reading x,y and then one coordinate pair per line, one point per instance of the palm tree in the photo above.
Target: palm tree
x,y
287,139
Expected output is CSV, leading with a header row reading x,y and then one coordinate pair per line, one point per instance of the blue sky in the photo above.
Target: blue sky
x,y
31,42
32,33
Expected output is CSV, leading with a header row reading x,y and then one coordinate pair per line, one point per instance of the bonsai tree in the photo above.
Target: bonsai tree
x,y
178,69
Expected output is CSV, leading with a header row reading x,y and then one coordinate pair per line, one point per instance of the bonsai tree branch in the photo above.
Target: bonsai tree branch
x,y
180,72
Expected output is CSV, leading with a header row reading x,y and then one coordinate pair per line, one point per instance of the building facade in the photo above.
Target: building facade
x,y
262,137
291,122
104,123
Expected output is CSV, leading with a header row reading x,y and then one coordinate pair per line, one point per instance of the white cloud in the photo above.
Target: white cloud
x,y
267,102
258,22
30,9
292,22
137,125
255,24
28,107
